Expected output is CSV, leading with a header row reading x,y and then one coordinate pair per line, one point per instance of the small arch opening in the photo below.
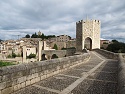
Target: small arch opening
x,y
43,57
54,56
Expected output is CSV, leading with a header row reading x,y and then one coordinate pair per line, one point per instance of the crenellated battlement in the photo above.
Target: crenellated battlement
x,y
90,21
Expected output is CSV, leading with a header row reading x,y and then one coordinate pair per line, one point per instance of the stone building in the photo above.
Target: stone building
x,y
60,41
104,44
63,38
39,33
87,34
71,43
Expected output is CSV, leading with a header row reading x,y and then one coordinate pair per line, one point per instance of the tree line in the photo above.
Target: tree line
x,y
39,36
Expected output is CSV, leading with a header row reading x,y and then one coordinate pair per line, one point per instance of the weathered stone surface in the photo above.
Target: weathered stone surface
x,y
9,84
28,83
107,54
95,87
3,70
0,78
121,75
7,77
2,85
34,90
57,82
22,79
7,90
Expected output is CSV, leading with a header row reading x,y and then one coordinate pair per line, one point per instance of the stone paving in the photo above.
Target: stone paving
x,y
96,76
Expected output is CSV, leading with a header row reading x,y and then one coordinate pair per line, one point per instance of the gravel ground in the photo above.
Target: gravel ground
x,y
33,90
57,82
95,87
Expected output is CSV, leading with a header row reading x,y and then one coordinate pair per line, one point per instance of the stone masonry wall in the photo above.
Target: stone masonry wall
x,y
121,75
121,68
107,54
79,36
13,78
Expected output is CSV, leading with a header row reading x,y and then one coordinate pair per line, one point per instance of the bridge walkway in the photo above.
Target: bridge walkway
x,y
96,76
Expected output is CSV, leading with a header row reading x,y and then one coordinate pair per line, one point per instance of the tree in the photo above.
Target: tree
x,y
117,47
13,55
42,36
27,36
54,56
31,56
115,41
55,47
34,35
9,56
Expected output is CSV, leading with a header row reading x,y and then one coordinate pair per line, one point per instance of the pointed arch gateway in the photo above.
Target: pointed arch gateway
x,y
88,43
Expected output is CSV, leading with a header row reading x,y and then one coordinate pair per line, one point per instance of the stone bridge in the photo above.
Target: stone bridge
x,y
49,54
96,72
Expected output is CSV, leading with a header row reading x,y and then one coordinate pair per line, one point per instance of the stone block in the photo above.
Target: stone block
x,y
44,67
22,79
23,85
15,87
45,72
3,71
24,72
38,69
28,83
29,77
9,84
37,79
32,81
7,77
2,85
32,71
42,77
0,79
41,73
19,86
14,82
7,90
34,75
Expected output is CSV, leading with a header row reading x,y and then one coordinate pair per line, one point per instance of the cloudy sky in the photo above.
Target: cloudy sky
x,y
21,17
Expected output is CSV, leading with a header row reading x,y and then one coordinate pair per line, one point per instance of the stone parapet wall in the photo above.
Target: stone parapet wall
x,y
107,54
121,75
70,52
13,78
121,67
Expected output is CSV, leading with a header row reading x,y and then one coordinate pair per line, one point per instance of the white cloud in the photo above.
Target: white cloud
x,y
59,16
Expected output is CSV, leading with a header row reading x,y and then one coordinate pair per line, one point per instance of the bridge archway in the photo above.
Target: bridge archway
x,y
88,43
43,57
54,56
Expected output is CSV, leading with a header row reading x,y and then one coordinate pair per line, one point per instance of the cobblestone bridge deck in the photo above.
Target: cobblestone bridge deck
x,y
96,76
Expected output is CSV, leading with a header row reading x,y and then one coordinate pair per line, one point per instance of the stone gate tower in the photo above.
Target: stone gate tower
x,y
87,34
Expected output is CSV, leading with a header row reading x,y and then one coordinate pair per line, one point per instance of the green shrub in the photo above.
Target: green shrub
x,y
31,56
55,47
13,55
9,56
2,63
